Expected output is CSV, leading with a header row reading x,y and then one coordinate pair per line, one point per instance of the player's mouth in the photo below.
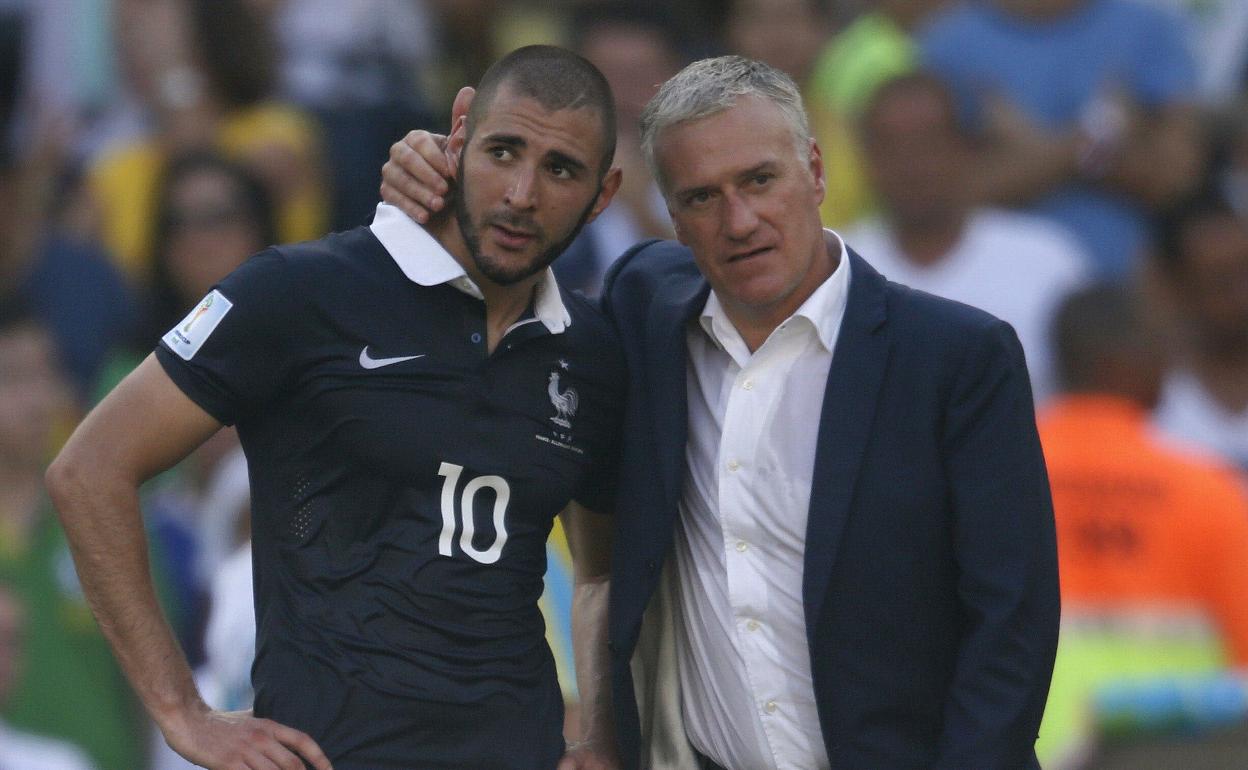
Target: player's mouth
x,y
510,238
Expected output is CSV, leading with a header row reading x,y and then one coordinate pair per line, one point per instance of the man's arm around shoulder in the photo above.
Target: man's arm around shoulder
x,y
143,427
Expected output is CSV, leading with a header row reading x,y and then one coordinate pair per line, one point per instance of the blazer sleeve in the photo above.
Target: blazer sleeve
x,y
1005,545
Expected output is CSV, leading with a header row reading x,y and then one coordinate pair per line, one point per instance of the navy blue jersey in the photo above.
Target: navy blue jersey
x,y
404,482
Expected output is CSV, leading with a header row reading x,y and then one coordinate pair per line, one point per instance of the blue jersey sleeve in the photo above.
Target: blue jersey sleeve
x,y
232,353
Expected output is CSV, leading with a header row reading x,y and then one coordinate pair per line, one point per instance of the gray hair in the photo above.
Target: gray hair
x,y
710,86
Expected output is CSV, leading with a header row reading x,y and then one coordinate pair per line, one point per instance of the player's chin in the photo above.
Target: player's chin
x,y
509,268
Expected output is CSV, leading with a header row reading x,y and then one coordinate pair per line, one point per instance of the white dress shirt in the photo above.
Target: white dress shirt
x,y
745,674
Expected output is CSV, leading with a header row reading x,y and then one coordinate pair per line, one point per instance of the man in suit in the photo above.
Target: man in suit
x,y
873,588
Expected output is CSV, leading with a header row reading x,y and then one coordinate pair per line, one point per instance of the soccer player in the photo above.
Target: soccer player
x,y
416,404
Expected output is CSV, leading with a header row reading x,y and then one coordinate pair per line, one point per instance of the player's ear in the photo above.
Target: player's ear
x,y
606,191
459,126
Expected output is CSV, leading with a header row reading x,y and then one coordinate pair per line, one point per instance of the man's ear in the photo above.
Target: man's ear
x,y
610,184
459,127
815,161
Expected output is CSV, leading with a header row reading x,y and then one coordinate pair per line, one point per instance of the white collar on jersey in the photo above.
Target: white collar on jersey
x,y
424,261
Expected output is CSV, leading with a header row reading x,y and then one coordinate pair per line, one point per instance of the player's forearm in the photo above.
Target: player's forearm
x,y
100,513
593,663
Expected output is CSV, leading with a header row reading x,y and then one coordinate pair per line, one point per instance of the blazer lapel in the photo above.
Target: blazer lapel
x,y
674,304
849,403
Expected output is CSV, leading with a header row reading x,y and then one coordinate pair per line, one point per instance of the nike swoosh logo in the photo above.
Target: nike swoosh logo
x,y
368,362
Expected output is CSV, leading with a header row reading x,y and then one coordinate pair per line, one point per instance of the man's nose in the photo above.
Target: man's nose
x,y
740,220
522,192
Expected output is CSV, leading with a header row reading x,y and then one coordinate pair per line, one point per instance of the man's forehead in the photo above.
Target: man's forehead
x,y
745,134
512,112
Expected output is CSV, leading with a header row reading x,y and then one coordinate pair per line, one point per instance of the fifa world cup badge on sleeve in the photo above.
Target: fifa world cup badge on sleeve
x,y
191,332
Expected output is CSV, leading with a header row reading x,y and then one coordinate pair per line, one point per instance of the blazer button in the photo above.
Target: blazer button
x,y
650,565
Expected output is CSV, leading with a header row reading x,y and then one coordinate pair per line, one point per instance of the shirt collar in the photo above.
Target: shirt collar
x,y
426,262
824,308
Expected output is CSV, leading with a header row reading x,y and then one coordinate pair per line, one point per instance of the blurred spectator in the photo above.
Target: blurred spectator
x,y
636,50
1217,35
1152,542
467,29
790,35
931,236
362,67
1228,172
1203,261
64,74
14,23
875,47
205,69
71,284
211,215
1085,109
787,34
69,685
18,750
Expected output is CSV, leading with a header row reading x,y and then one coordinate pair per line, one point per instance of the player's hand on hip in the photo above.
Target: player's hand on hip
x,y
236,740
416,177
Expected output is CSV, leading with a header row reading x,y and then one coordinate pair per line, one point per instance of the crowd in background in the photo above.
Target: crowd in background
x,y
1077,167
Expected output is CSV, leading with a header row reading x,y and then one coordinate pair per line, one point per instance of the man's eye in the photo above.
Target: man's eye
x,y
698,198
500,153
560,171
760,180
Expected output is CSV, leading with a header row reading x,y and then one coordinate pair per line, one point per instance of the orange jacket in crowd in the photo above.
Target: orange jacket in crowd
x,y
1141,523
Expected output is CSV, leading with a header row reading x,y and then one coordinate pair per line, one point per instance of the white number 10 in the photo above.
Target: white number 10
x,y
502,496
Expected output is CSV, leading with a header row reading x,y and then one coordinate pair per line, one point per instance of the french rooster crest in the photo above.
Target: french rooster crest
x,y
565,402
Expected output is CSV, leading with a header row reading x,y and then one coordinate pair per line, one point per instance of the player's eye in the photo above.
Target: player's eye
x,y
560,171
500,152
762,179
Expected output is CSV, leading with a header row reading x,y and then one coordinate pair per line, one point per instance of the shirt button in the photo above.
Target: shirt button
x,y
734,466
748,384
752,625
770,707
741,546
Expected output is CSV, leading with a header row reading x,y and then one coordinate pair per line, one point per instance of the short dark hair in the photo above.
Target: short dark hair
x,y
16,312
915,82
557,79
237,50
1093,324
1173,224
590,18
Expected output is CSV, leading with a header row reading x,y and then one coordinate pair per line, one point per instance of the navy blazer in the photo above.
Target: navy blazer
x,y
930,583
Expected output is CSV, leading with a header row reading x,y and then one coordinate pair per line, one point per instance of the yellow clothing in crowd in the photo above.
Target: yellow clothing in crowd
x,y
125,182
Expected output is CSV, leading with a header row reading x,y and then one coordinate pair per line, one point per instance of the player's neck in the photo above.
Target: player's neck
x,y
503,304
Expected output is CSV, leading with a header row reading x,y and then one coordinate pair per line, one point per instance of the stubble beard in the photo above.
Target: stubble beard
x,y
495,269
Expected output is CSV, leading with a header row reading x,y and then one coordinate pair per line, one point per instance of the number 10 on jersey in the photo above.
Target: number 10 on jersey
x,y
502,496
